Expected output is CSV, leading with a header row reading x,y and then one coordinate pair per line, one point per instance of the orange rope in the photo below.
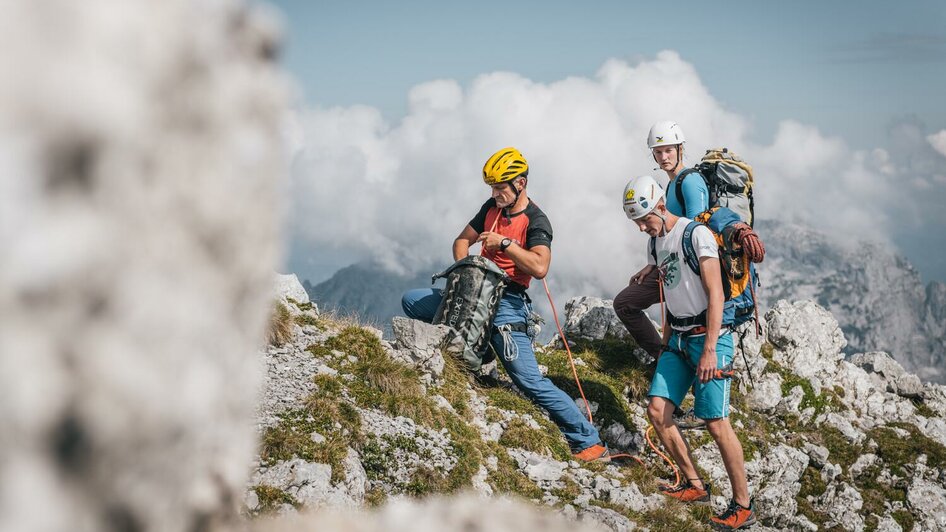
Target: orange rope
x,y
571,359
568,350
676,471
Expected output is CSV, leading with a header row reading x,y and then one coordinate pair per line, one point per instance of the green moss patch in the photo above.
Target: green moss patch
x,y
305,307
291,438
548,440
609,368
356,341
325,412
271,498
308,319
456,383
507,478
903,518
519,434
924,409
898,451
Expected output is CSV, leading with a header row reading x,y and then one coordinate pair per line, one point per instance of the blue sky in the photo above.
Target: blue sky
x,y
853,88
851,68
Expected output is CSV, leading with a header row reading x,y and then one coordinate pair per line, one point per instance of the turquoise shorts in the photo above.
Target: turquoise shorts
x,y
674,376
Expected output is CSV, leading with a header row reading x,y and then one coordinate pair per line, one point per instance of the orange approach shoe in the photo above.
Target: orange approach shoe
x,y
687,492
595,453
736,517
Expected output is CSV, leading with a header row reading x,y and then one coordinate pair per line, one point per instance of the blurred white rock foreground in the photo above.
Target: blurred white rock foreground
x,y
140,160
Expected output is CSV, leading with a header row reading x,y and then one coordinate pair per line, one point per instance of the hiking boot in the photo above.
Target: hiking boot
x,y
687,492
736,517
595,453
687,420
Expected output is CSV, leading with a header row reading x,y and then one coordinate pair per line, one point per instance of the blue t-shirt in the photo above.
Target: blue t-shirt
x,y
695,195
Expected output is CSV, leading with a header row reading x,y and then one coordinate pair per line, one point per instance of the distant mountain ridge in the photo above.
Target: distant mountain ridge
x,y
877,296
366,290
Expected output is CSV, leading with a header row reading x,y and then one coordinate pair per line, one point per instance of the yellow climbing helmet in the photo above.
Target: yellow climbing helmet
x,y
505,165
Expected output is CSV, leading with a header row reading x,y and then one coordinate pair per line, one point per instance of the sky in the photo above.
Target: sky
x,y
838,105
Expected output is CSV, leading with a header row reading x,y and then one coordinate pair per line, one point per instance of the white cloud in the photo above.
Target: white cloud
x,y
400,193
938,141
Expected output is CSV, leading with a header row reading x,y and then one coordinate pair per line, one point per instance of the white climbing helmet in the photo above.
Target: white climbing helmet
x,y
665,133
641,195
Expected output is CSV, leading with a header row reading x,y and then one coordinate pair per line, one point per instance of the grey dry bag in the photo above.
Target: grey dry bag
x,y
474,287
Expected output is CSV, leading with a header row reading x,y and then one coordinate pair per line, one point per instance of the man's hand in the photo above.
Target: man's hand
x,y
707,366
490,240
644,272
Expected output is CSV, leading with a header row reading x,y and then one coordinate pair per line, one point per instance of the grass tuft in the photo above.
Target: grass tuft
x,y
280,325
271,498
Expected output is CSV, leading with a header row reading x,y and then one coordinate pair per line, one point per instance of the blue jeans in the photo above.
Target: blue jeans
x,y
421,304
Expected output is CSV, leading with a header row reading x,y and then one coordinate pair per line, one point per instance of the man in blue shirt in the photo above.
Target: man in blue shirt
x,y
665,141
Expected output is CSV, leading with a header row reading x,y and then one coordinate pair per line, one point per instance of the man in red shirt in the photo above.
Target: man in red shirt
x,y
517,236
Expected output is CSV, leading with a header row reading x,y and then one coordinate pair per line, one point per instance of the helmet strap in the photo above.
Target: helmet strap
x,y
663,223
515,191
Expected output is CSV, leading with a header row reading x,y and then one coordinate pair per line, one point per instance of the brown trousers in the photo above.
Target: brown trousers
x,y
630,304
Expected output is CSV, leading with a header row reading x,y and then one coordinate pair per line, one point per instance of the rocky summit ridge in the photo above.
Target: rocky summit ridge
x,y
877,296
349,420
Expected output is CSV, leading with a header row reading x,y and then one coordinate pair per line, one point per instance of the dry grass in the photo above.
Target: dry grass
x,y
280,325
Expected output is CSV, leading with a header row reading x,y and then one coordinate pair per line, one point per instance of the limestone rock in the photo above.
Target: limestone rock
x,y
289,287
606,517
927,501
842,503
619,438
775,481
888,374
420,344
629,496
467,512
592,318
808,337
818,455
537,467
767,393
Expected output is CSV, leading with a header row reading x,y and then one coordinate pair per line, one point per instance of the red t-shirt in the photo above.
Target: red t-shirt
x,y
527,228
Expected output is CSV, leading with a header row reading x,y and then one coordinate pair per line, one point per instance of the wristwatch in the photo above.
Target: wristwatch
x,y
505,243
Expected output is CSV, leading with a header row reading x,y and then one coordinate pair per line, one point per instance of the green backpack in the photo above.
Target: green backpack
x,y
475,285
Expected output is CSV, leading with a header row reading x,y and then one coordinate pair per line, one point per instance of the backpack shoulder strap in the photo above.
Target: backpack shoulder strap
x,y
653,250
678,188
689,254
